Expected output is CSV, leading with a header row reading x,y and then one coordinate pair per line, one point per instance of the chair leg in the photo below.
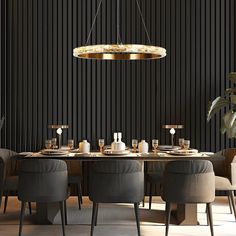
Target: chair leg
x,y
233,202
79,195
80,192
65,210
62,217
1,193
5,202
150,196
230,204
30,209
22,214
206,211
94,216
144,201
209,213
136,210
168,211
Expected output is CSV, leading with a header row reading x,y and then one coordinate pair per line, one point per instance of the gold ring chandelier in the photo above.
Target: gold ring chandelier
x,y
119,51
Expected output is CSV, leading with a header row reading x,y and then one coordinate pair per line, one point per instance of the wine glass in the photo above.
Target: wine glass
x,y
48,143
70,143
54,143
181,142
155,145
101,143
134,144
186,144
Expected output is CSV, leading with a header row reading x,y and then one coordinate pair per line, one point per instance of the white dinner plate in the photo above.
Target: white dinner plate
x,y
116,152
183,152
53,152
168,147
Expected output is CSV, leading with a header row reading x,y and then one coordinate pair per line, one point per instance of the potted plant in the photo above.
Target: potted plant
x,y
227,100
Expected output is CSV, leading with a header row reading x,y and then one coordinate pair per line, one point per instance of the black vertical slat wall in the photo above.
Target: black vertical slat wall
x,y
42,83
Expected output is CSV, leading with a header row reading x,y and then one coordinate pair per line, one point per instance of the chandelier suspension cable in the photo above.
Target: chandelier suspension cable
x,y
118,38
144,25
94,20
119,51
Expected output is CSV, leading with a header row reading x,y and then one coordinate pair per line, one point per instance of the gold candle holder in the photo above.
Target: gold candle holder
x,y
172,131
59,132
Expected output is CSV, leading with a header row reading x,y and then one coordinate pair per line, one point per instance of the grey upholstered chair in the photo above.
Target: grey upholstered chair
x,y
8,175
116,181
189,181
43,181
154,176
223,178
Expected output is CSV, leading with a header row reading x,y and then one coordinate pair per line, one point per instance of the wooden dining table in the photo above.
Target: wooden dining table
x,y
184,214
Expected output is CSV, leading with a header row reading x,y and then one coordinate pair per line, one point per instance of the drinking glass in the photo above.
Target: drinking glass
x,y
181,142
70,143
48,143
155,145
186,144
134,144
54,143
101,143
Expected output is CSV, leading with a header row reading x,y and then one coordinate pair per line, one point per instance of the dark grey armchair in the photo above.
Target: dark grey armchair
x,y
224,177
8,175
116,181
189,181
43,181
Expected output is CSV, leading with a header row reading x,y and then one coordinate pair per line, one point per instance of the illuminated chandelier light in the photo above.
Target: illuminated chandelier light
x,y
119,51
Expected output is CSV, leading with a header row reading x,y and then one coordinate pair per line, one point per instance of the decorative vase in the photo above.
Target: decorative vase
x,y
117,145
143,147
84,146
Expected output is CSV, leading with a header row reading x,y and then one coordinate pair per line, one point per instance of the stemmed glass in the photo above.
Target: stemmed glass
x,y
70,143
134,144
54,143
181,142
101,143
155,145
48,143
186,144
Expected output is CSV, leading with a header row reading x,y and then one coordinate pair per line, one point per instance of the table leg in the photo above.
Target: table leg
x,y
46,213
185,214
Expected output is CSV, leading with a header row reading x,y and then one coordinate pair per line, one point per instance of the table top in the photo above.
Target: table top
x,y
96,156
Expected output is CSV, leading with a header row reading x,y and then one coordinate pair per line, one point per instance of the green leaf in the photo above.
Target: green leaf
x,y
229,119
232,76
230,90
216,105
233,99
229,124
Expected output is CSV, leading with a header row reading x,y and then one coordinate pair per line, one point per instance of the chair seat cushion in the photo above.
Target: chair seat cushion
x,y
223,184
190,167
11,183
117,167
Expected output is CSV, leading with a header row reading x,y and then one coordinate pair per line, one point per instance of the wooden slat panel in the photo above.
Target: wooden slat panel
x,y
45,84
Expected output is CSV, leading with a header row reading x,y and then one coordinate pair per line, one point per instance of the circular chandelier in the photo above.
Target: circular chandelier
x,y
119,51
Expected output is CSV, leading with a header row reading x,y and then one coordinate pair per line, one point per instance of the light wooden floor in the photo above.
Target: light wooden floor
x,y
119,221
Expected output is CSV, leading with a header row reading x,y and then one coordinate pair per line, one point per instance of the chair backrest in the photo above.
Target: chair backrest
x,y
116,181
43,180
189,181
5,158
229,156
